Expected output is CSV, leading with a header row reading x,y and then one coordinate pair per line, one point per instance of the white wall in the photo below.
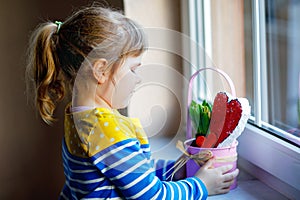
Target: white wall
x,y
158,100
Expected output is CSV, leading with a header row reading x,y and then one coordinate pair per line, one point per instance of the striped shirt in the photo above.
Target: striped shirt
x,y
107,156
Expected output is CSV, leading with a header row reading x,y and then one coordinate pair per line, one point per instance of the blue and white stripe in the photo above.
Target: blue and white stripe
x,y
125,171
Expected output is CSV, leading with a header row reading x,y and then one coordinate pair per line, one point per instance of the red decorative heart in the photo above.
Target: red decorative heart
x,y
224,119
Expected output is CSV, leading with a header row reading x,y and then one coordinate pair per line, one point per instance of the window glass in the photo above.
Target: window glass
x,y
264,61
282,43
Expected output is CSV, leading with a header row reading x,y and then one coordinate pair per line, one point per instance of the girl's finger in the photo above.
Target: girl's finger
x,y
225,168
224,190
208,164
227,184
231,175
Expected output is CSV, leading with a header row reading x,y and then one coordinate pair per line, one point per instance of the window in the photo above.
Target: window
x,y
255,42
266,68
274,40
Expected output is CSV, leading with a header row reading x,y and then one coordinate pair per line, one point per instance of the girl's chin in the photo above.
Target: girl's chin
x,y
121,106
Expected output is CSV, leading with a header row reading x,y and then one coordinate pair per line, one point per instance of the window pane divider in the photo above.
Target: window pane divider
x,y
259,61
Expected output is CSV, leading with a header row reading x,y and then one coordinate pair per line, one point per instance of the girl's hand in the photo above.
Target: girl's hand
x,y
216,180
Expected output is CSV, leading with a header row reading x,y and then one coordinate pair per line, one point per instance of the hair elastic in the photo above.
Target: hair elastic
x,y
58,23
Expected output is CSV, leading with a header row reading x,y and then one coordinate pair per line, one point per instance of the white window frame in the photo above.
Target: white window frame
x,y
268,158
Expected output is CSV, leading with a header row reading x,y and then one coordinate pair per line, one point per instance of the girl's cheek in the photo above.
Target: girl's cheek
x,y
123,91
126,84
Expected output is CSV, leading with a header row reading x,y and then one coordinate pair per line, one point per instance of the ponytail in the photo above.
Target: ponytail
x,y
43,72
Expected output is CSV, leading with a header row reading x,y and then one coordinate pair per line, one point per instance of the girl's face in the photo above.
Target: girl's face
x,y
126,80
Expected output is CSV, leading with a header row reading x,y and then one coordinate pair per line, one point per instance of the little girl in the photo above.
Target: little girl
x,y
93,55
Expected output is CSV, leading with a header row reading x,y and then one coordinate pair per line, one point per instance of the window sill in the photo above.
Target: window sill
x,y
249,188
255,181
271,160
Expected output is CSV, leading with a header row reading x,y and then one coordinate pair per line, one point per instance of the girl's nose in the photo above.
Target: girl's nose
x,y
138,79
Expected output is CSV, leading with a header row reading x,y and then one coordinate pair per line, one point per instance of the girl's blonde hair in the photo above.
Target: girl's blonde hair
x,y
55,55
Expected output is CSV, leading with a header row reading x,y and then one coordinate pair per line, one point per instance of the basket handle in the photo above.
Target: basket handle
x,y
189,100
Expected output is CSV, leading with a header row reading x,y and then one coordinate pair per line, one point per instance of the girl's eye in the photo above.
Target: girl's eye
x,y
133,71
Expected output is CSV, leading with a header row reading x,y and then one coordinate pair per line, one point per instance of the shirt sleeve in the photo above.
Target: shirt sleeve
x,y
125,165
163,169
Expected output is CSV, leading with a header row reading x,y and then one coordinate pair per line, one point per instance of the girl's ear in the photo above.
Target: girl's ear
x,y
99,70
